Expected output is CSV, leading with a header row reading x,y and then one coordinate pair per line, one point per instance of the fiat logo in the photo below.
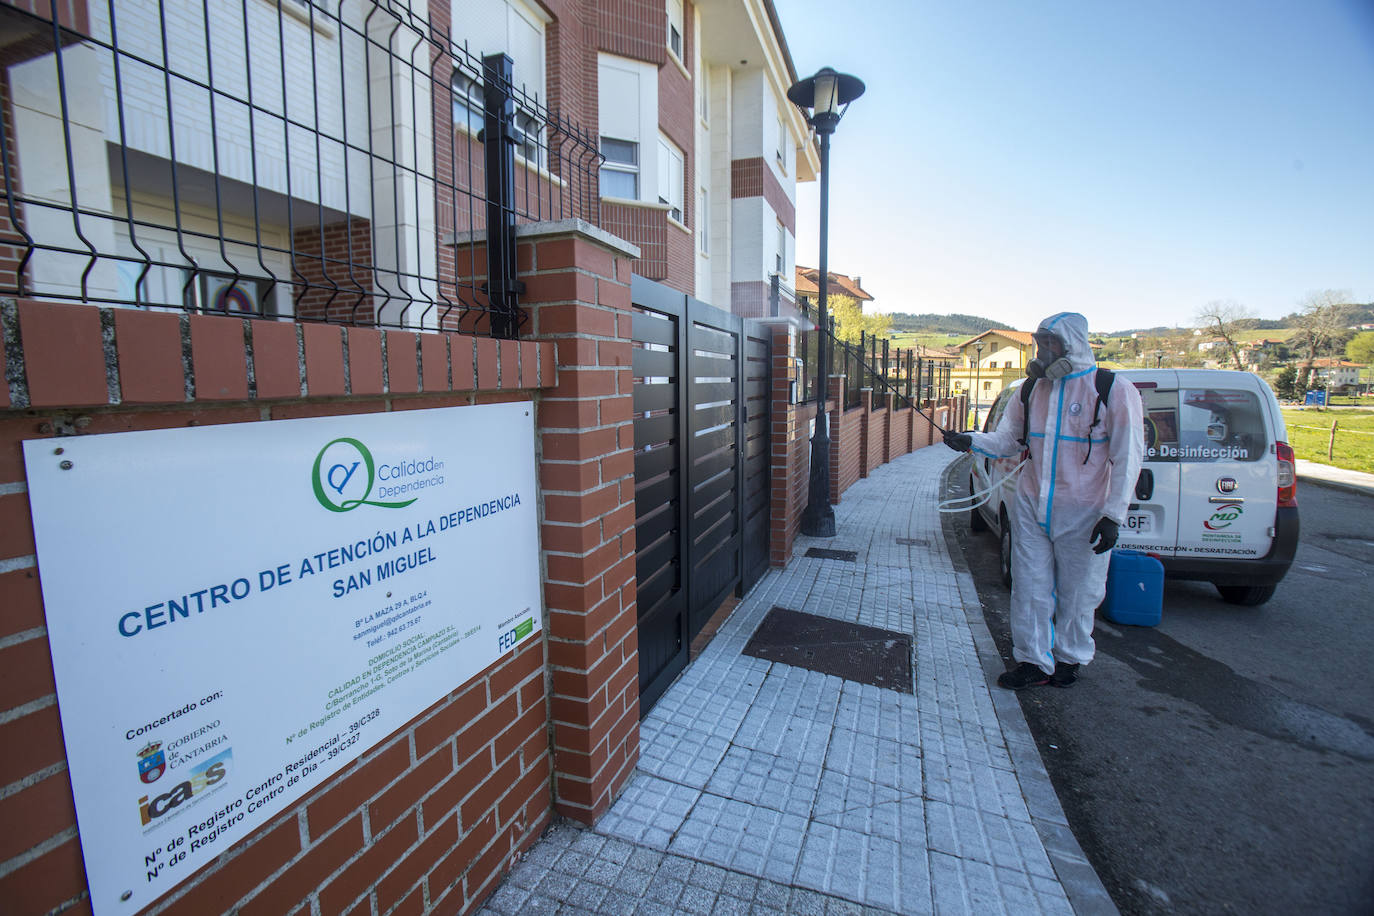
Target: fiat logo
x,y
1226,485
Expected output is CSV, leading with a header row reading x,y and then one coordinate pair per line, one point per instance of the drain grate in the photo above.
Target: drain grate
x,y
852,651
913,542
825,553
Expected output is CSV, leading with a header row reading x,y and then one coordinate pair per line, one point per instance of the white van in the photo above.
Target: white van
x,y
1217,496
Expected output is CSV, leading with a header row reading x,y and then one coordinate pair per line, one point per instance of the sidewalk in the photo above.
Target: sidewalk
x,y
1337,478
768,788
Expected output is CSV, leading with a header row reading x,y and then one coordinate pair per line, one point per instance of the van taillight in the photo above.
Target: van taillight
x,y
1288,474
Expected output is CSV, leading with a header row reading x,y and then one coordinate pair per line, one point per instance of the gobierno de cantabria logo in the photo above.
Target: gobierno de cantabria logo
x,y
346,476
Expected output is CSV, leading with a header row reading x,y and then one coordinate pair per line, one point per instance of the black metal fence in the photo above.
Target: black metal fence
x,y
871,363
344,162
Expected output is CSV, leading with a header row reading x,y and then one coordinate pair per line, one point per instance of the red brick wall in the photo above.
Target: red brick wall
x,y
337,274
753,178
71,14
11,241
434,812
791,452
875,434
677,119
750,298
899,432
633,28
846,441
646,227
578,295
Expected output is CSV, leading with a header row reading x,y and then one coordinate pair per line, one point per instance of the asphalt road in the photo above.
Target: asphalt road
x,y
1222,762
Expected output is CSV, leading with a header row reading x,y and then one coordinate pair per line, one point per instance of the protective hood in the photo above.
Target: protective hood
x,y
1072,328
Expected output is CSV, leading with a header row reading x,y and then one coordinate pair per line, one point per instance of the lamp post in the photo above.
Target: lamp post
x,y
1159,358
823,100
977,377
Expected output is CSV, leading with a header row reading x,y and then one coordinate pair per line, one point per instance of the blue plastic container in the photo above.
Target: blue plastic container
x,y
1135,589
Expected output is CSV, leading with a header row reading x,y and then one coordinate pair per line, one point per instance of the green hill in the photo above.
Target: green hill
x,y
960,326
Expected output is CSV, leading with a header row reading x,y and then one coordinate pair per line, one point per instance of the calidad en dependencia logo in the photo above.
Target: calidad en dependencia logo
x,y
346,476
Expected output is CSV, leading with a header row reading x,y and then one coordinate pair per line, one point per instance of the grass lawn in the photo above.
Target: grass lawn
x,y
1309,431
907,339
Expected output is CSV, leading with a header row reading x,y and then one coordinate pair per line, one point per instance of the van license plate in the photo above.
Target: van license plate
x,y
1140,524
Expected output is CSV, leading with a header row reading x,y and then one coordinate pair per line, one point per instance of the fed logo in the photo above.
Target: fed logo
x,y
344,476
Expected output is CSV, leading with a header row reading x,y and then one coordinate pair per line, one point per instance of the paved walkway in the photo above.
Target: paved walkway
x,y
767,788
1329,476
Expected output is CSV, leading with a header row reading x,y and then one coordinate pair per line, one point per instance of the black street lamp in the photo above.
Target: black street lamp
x,y
823,100
1159,358
977,377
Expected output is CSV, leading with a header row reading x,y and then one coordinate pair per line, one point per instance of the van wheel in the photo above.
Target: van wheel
x,y
975,518
1005,551
1246,595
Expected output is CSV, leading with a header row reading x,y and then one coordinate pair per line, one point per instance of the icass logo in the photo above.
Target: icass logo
x,y
1223,516
202,777
344,476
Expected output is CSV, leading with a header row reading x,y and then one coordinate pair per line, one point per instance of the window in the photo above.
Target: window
x,y
467,103
704,94
469,113
620,172
780,260
987,386
675,27
782,145
1216,425
627,112
670,178
703,224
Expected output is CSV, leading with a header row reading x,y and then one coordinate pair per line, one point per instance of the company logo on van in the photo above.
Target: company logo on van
x,y
1224,516
1227,485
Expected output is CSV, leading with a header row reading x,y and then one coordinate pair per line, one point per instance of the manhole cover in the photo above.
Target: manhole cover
x,y
852,651
913,542
825,553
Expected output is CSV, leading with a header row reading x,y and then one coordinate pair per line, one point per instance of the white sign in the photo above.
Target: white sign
x,y
236,612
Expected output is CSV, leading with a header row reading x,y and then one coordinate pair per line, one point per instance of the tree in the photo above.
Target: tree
x,y
1360,349
1286,384
850,319
1223,317
1321,321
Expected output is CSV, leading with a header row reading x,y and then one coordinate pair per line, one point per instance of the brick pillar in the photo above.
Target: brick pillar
x,y
789,447
865,429
835,396
577,292
888,405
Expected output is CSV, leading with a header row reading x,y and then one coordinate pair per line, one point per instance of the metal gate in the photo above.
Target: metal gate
x,y
701,396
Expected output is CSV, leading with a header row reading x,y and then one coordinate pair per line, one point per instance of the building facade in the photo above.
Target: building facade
x,y
988,363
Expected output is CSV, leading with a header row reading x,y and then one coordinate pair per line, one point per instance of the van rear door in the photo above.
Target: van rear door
x,y
1228,494
1152,519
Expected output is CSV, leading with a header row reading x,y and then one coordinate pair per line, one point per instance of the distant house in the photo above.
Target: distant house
x,y
990,362
808,286
1258,354
1339,375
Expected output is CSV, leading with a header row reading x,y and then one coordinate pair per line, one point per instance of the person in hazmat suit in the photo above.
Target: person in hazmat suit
x,y
1071,499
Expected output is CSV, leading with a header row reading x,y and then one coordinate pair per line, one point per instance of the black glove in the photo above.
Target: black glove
x,y
960,442
1104,535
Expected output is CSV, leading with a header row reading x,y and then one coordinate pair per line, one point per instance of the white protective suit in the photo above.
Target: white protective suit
x,y
1057,580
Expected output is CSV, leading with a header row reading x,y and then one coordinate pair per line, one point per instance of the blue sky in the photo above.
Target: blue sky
x,y
1128,160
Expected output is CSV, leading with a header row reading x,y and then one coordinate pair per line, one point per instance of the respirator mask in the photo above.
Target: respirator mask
x,y
1050,360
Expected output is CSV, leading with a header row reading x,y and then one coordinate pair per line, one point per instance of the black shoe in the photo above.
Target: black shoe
x,y
1064,674
1022,676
